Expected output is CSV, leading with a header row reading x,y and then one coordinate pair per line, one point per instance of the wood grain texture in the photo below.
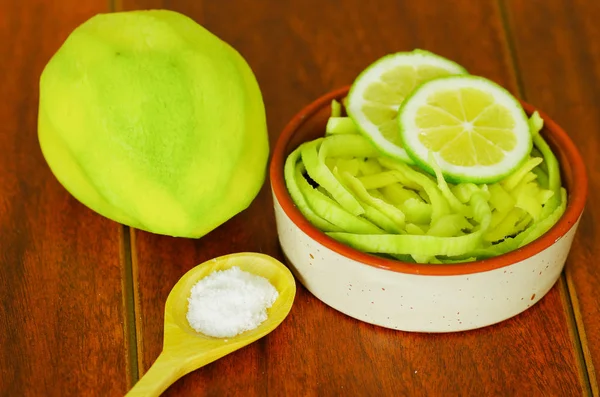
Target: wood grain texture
x,y
61,312
298,51
558,56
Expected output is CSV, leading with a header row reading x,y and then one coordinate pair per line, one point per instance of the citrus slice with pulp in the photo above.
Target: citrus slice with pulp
x,y
475,130
378,92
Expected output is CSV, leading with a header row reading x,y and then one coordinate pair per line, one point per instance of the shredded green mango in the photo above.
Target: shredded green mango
x,y
427,245
318,171
538,229
351,166
384,179
340,125
369,167
397,194
330,210
363,195
336,108
450,225
463,191
455,204
412,228
298,198
500,199
386,207
514,179
439,204
417,211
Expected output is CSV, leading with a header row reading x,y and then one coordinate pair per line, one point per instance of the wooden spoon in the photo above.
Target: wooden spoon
x,y
184,349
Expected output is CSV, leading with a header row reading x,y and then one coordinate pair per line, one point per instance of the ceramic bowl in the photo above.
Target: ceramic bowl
x,y
419,297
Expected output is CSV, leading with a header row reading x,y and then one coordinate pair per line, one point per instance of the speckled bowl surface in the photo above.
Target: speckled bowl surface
x,y
418,297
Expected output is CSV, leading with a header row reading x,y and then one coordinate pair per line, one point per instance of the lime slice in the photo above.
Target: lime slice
x,y
378,92
475,130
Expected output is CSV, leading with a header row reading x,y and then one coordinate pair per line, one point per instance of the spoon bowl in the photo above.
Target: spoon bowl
x,y
184,349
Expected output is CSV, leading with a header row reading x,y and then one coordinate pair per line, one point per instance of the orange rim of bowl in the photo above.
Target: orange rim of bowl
x,y
577,193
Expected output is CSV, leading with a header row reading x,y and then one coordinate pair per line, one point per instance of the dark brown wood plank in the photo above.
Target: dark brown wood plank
x,y
558,57
61,306
300,50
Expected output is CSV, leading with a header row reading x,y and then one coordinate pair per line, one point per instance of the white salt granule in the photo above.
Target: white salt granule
x,y
228,302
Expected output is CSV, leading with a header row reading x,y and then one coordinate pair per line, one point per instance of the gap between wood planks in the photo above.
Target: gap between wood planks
x,y
128,275
567,290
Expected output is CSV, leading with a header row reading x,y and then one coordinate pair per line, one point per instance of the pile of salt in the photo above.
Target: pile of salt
x,y
228,302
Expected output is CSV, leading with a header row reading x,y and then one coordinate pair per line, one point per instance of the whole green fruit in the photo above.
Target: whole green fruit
x,y
152,121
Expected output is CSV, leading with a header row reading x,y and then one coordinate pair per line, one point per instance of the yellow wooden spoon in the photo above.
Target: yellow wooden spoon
x,y
184,349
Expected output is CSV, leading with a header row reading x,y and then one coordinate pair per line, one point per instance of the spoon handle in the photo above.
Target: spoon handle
x,y
162,374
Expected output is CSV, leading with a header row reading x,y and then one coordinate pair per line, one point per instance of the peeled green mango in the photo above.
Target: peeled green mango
x,y
152,121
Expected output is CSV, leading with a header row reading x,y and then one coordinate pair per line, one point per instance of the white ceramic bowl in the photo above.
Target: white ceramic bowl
x,y
418,297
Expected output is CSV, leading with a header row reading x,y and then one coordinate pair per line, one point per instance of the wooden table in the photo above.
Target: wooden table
x,y
82,298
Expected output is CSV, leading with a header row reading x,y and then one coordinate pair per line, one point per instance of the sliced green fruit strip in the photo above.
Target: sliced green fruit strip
x,y
497,217
407,244
550,165
535,151
464,191
336,109
542,176
340,125
538,229
544,195
388,177
554,182
391,212
346,145
425,259
427,246
372,209
377,194
453,261
490,251
381,179
398,201
536,123
319,173
417,211
298,198
378,218
397,195
531,233
510,182
320,188
500,199
506,227
414,229
403,258
449,226
351,166
330,210
524,223
527,198
370,167
455,203
331,163
439,204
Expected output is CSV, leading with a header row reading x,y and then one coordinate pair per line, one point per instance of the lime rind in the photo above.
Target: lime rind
x,y
479,174
372,74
